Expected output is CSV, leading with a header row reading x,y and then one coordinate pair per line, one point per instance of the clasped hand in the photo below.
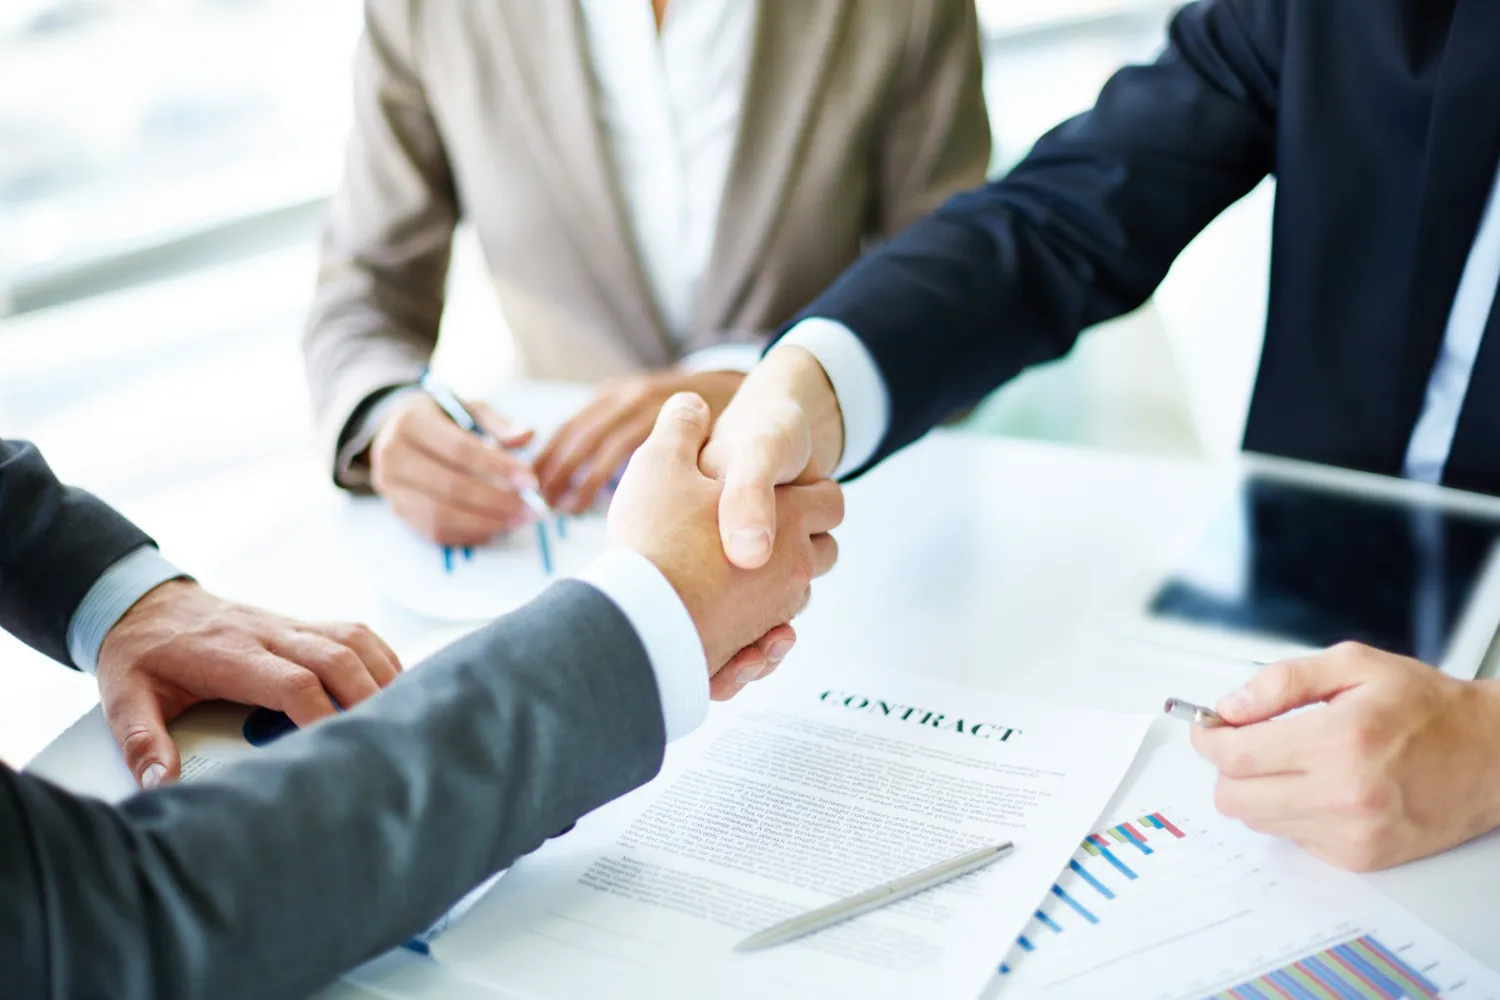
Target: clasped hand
x,y
666,509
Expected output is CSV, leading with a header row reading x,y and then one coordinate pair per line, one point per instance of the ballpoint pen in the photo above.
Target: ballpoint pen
x,y
460,415
1206,718
874,899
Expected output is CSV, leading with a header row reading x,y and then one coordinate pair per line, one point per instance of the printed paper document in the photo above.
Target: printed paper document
x,y
1168,900
805,790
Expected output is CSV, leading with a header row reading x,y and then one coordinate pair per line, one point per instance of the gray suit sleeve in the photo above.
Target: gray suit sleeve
x,y
272,876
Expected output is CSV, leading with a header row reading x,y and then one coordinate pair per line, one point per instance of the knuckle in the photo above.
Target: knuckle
x,y
1361,848
1362,738
802,570
1225,799
1348,652
297,684
136,740
1366,797
1278,681
347,633
1237,763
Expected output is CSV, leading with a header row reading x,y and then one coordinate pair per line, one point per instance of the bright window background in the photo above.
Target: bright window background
x,y
162,168
127,123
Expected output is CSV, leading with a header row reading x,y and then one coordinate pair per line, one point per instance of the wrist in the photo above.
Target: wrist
x,y
1488,694
803,380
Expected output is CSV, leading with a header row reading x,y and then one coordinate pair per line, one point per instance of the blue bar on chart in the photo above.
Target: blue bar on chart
x,y
1025,944
1128,834
1078,907
1088,877
1048,922
1099,848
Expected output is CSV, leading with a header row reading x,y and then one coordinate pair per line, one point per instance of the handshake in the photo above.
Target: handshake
x,y
742,580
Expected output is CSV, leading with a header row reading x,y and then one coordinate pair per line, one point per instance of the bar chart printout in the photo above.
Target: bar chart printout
x,y
1361,968
1173,902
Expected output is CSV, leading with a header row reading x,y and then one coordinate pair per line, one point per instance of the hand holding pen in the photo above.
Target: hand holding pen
x,y
526,485
450,485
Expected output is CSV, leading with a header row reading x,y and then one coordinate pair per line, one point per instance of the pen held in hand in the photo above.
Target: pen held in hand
x,y
450,404
1205,718
874,899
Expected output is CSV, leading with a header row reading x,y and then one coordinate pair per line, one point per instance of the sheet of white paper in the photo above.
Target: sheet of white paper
x,y
802,791
499,578
1219,907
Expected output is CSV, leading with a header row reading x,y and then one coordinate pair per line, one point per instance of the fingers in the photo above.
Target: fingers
x,y
825,553
681,430
338,668
379,659
456,489
613,454
576,443
1278,746
1281,687
448,525
1265,803
816,508
775,451
752,663
136,719
446,483
505,433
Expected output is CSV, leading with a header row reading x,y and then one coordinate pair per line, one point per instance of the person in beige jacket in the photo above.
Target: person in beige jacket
x,y
657,187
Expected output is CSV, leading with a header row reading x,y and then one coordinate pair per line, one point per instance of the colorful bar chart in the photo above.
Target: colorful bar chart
x,y
1134,836
1361,969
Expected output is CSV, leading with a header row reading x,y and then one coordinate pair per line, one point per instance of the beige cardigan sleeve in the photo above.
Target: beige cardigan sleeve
x,y
937,135
385,253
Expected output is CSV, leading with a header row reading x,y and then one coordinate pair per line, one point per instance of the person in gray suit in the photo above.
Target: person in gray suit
x,y
271,876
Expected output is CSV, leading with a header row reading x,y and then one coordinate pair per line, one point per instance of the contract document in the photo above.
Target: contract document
x,y
806,789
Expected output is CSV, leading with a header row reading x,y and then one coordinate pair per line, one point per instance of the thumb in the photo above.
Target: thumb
x,y
1281,687
680,432
505,433
140,729
775,452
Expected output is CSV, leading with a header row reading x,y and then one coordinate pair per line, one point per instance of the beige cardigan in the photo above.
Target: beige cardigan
x,y
860,116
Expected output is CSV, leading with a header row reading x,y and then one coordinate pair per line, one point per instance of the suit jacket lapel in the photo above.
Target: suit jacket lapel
x,y
546,43
1463,153
787,70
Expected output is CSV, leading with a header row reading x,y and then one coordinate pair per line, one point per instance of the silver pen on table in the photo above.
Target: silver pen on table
x,y
1205,718
874,899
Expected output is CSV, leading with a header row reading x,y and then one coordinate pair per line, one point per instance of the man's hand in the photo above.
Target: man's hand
x,y
180,645
783,426
667,510
449,485
591,447
1399,764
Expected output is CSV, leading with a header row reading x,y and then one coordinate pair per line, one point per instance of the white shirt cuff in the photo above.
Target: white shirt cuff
x,y
666,630
114,593
863,397
723,358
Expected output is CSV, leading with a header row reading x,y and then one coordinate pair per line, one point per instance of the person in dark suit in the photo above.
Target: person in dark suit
x,y
1380,120
86,587
266,878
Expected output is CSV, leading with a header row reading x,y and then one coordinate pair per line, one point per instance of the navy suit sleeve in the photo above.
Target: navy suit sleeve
x,y
1083,230
55,541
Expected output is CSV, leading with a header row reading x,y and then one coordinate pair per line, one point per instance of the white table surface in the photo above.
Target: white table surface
x,y
984,561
